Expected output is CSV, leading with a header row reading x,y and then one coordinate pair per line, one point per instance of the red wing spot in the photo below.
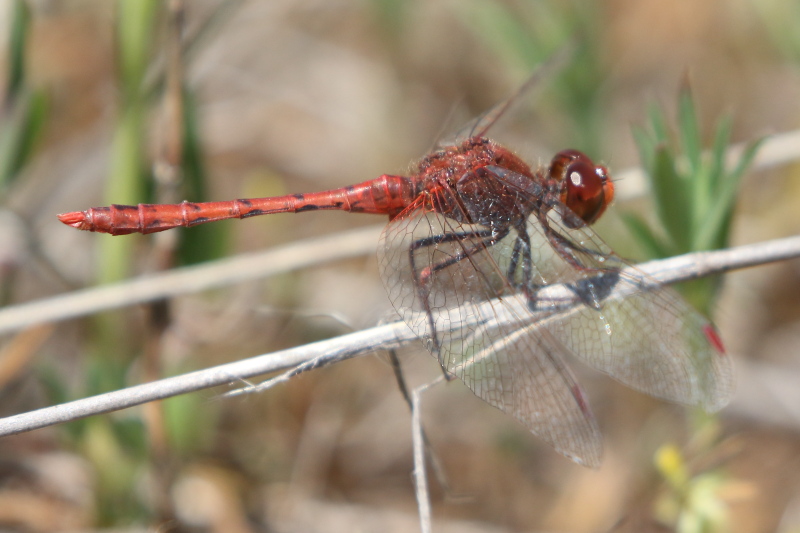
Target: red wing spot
x,y
713,338
577,393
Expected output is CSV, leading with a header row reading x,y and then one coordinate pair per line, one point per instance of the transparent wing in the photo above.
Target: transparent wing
x,y
651,340
459,286
480,125
630,327
444,280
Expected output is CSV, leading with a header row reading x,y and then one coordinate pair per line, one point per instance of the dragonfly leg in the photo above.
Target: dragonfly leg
x,y
566,248
522,251
423,276
591,291
511,273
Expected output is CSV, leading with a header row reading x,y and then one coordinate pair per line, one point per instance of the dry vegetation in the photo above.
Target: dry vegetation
x,y
295,96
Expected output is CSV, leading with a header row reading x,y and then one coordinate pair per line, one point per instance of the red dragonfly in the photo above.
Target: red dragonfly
x,y
476,228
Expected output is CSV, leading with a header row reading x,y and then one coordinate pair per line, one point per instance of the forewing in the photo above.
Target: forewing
x,y
651,339
640,332
481,125
449,283
459,287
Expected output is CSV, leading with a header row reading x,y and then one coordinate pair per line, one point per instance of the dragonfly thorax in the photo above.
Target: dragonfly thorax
x,y
450,164
478,182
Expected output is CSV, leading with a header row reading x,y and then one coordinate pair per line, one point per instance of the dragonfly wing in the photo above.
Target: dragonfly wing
x,y
651,339
444,278
481,125
640,332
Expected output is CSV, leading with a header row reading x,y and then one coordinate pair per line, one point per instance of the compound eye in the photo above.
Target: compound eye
x,y
585,187
563,159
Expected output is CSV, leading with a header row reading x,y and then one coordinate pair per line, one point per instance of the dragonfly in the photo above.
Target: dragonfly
x,y
476,239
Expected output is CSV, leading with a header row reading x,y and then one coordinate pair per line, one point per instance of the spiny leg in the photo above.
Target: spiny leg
x,y
522,251
423,276
586,289
512,265
565,247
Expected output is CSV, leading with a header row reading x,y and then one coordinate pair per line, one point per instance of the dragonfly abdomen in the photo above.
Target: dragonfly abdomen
x,y
385,195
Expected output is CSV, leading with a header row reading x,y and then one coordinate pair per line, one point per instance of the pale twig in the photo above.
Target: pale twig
x,y
681,268
433,458
419,445
324,352
283,377
187,280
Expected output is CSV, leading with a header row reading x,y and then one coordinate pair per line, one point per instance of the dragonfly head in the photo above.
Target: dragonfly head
x,y
586,188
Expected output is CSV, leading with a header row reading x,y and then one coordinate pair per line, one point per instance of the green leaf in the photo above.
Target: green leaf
x,y
508,32
18,139
19,26
652,244
658,123
646,147
128,180
719,151
714,228
672,198
206,241
694,202
135,27
689,130
181,413
669,191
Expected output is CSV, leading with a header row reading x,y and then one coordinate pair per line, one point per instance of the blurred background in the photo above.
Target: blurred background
x,y
146,101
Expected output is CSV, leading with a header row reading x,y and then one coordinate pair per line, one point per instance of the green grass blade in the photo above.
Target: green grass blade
x,y
20,135
718,151
653,246
714,228
689,130
19,26
672,198
136,25
669,188
206,241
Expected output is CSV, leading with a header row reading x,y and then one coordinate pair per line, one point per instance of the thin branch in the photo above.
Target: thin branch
x,y
681,268
186,280
324,352
419,444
